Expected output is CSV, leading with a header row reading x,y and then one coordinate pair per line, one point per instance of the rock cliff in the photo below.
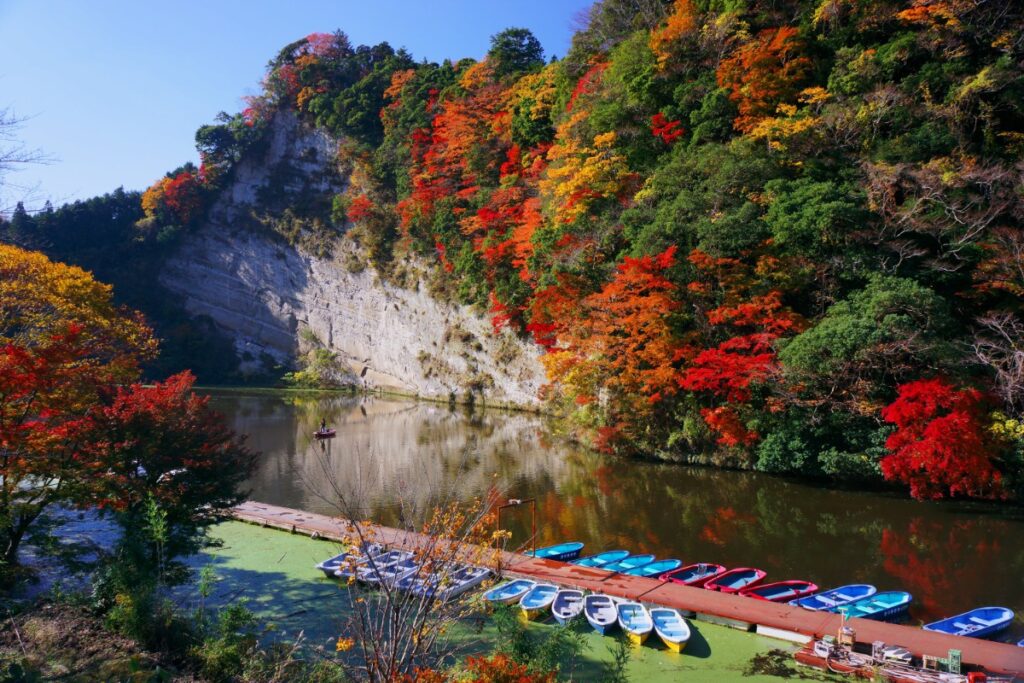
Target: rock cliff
x,y
264,293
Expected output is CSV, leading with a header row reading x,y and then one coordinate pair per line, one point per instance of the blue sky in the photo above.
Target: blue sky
x,y
114,90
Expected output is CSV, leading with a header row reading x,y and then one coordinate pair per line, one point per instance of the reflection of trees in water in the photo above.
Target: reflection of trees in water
x,y
951,558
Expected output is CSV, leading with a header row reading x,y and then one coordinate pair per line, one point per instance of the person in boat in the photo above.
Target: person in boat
x,y
323,425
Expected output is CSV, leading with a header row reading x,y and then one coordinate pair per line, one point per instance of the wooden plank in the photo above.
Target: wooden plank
x,y
996,657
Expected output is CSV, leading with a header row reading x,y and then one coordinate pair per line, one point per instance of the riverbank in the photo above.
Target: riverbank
x,y
273,571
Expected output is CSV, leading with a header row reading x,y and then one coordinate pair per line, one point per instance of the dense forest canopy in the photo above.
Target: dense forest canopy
x,y
787,233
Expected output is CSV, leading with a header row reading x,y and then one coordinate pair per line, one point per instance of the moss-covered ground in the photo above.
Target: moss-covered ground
x,y
273,571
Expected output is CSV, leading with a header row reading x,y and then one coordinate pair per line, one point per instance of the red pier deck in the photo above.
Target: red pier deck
x,y
742,612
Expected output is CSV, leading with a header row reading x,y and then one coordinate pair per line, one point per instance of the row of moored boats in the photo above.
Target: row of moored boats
x,y
855,600
400,569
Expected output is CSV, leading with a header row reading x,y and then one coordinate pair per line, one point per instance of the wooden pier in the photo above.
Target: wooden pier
x,y
771,619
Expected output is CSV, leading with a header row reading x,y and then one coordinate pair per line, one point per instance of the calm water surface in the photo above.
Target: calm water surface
x,y
394,459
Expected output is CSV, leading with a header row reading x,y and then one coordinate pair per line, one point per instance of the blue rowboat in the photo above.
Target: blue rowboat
x,y
977,623
655,568
735,580
695,575
333,564
835,597
1021,643
602,558
631,562
881,606
537,600
670,627
567,605
636,621
510,591
600,612
563,552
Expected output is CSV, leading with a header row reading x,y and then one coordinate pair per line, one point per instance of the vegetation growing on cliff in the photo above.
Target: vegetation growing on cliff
x,y
744,226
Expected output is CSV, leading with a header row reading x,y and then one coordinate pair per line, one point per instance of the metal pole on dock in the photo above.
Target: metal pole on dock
x,y
516,502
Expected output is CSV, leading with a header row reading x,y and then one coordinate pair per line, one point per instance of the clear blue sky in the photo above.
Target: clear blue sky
x,y
116,89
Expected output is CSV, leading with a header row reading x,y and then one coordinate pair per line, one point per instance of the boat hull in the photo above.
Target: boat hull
x,y
977,623
735,580
702,576
635,620
563,552
630,563
880,607
836,597
606,620
604,558
671,628
779,591
504,595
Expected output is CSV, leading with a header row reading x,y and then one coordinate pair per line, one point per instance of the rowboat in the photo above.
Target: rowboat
x,y
694,574
635,620
387,576
1021,643
348,570
655,568
563,552
780,591
602,558
384,567
600,612
567,605
459,581
631,562
670,627
835,597
509,592
735,580
977,623
537,600
882,606
324,433
332,564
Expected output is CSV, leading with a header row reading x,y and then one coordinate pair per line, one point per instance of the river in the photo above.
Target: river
x,y
393,459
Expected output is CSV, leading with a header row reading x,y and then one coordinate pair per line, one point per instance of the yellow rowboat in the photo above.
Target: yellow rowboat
x,y
538,600
635,620
671,627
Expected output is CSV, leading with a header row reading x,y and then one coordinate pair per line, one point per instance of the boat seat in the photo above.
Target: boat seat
x,y
969,628
844,598
986,622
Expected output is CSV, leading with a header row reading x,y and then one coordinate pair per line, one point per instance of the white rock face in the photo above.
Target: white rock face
x,y
263,292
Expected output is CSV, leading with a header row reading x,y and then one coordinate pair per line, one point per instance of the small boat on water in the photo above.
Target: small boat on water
x,y
371,563
332,564
881,606
655,568
567,605
600,612
563,552
780,591
385,567
695,575
635,620
631,562
509,592
459,581
670,627
325,433
602,558
387,576
835,597
977,623
537,600
735,580
1021,643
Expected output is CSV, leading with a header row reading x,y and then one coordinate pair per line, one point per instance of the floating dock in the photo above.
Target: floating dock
x,y
766,618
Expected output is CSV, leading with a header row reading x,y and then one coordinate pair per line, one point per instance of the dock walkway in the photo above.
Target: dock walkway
x,y
768,618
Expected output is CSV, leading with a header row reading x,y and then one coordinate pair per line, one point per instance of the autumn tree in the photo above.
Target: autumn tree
x,y
942,445
763,73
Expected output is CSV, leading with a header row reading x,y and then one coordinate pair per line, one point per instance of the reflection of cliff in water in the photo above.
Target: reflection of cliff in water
x,y
951,557
386,451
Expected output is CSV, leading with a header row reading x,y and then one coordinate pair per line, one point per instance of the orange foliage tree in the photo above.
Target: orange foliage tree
x,y
764,73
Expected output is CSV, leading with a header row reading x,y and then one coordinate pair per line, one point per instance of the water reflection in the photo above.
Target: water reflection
x,y
950,557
